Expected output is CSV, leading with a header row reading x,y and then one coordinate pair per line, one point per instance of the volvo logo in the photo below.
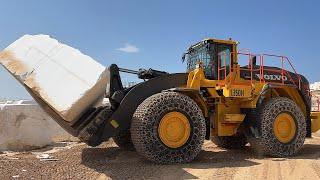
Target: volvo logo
x,y
272,77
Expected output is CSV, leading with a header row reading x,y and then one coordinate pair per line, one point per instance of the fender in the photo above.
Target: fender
x,y
290,92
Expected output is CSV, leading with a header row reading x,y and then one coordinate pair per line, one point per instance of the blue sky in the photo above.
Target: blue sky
x,y
143,34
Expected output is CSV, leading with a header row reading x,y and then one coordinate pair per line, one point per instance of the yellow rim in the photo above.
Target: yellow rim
x,y
284,127
174,129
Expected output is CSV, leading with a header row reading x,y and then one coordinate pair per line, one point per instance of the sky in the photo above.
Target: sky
x,y
154,34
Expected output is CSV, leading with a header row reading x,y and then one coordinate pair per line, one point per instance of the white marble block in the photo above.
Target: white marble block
x,y
25,126
67,80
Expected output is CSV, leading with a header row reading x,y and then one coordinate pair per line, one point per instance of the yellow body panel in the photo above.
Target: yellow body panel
x,y
223,128
234,118
315,121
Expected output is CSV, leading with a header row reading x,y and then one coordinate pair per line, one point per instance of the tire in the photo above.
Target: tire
x,y
123,140
230,142
146,121
267,142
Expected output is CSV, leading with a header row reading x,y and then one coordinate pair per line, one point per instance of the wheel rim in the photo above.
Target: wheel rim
x,y
174,129
284,127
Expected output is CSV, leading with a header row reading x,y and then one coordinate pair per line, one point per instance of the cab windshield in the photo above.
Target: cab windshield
x,y
200,54
211,56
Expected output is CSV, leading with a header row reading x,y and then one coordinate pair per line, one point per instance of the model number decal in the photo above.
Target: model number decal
x,y
237,92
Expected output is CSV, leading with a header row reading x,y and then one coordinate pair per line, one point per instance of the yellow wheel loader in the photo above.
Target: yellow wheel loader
x,y
167,117
217,99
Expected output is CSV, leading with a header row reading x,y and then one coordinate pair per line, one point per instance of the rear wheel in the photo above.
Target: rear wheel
x,y
168,128
282,126
230,142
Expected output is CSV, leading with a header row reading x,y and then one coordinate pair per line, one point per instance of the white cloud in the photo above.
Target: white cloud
x,y
129,48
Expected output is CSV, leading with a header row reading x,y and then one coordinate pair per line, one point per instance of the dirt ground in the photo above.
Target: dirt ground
x,y
78,161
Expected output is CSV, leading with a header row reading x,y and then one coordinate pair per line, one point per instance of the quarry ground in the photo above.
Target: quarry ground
x,y
78,161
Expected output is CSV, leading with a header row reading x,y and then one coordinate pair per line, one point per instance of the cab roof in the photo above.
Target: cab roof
x,y
229,41
212,40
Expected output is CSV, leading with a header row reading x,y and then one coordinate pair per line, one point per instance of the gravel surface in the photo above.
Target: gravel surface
x,y
78,161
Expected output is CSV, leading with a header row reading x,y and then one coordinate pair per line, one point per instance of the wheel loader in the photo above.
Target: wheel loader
x,y
167,117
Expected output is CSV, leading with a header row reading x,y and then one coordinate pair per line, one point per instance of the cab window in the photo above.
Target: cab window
x,y
200,55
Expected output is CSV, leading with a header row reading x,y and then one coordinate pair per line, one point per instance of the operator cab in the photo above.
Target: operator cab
x,y
215,55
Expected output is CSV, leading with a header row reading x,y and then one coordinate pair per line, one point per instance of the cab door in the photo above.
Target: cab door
x,y
224,59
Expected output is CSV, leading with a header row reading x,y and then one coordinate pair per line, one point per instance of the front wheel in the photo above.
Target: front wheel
x,y
168,127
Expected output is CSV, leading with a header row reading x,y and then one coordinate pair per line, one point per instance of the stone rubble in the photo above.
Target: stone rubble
x,y
315,92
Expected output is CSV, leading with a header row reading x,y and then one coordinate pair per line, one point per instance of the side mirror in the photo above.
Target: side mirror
x,y
183,57
208,47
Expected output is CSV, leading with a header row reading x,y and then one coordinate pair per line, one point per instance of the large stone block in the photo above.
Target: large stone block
x,y
68,81
24,126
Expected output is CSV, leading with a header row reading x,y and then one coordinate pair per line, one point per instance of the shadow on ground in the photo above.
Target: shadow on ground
x,y
120,164
308,151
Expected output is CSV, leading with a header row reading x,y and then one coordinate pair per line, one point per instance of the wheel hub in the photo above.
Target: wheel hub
x,y
284,127
174,129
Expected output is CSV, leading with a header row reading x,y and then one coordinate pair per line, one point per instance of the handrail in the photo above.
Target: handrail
x,y
290,63
283,71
